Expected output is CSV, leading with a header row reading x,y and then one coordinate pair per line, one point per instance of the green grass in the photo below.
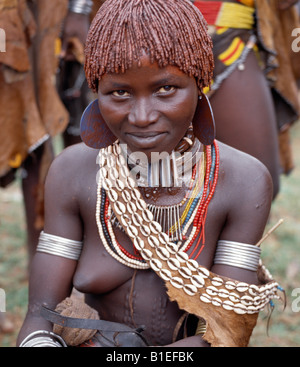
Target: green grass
x,y
13,258
280,252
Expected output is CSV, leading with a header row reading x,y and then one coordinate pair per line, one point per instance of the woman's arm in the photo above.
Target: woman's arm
x,y
247,187
51,276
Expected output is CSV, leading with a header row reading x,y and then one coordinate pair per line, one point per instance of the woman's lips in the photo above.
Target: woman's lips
x,y
146,140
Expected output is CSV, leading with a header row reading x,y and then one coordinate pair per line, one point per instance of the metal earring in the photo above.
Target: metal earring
x,y
204,122
93,129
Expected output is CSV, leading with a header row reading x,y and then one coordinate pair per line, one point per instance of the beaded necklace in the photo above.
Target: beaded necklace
x,y
181,273
194,213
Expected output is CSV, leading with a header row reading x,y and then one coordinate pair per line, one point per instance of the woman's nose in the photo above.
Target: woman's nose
x,y
142,113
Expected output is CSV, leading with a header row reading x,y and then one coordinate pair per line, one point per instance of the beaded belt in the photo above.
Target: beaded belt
x,y
222,14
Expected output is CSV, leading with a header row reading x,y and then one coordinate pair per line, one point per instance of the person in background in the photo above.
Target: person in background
x,y
32,112
255,78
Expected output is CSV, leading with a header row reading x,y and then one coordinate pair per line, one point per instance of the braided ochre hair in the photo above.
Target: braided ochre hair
x,y
171,32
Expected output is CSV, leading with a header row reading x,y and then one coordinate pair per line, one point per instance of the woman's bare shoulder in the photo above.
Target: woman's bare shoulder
x,y
76,160
246,189
71,168
241,168
76,155
244,177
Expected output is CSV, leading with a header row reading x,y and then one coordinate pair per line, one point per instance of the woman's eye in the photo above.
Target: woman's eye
x,y
120,93
166,89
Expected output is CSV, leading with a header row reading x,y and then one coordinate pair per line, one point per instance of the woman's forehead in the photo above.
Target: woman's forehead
x,y
146,68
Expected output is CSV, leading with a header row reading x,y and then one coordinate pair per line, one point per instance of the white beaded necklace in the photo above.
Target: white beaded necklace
x,y
134,199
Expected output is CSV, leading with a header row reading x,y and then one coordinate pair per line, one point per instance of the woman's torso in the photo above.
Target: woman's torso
x,y
120,293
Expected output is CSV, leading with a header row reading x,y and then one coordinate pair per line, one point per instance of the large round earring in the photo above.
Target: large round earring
x,y
93,129
204,122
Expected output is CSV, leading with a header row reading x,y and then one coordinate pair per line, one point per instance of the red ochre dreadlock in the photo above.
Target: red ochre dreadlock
x,y
171,32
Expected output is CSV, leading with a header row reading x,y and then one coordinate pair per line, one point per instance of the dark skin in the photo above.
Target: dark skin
x,y
250,116
250,113
237,212
30,183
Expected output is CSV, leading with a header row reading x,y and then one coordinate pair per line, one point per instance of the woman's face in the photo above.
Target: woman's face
x,y
148,108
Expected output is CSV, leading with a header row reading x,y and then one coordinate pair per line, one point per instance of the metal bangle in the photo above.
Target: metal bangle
x,y
43,338
201,327
237,254
59,246
81,6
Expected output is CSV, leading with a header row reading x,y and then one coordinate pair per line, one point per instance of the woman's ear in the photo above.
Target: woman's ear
x,y
93,129
204,122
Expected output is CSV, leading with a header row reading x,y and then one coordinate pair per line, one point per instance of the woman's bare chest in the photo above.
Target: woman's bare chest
x,y
103,234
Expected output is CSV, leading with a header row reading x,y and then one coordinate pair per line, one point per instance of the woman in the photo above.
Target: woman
x,y
139,236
